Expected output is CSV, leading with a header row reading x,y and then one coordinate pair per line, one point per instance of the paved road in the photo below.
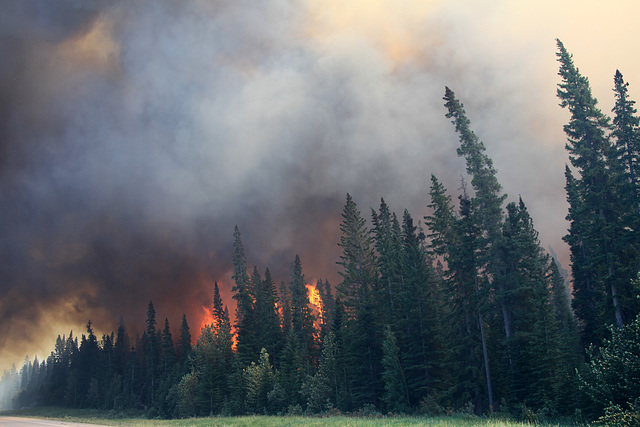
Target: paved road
x,y
35,422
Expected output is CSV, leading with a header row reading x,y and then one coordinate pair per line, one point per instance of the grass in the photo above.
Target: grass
x,y
136,419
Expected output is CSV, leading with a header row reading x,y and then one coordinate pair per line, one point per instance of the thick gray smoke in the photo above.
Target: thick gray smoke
x,y
135,135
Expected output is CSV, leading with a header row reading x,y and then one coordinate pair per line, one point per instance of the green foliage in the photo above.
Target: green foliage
x,y
626,133
302,319
615,415
248,347
358,260
183,396
387,242
362,337
603,203
185,339
474,262
268,317
612,377
259,379
452,238
294,368
418,328
396,396
487,202
531,344
323,389
328,307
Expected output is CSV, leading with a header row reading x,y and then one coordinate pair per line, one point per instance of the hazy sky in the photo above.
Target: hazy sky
x,y
135,135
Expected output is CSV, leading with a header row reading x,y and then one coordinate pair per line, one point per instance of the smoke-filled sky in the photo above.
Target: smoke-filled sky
x,y
135,135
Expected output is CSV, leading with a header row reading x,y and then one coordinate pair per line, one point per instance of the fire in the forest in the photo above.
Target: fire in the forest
x,y
314,298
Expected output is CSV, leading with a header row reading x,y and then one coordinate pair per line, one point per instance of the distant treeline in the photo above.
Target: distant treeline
x,y
464,313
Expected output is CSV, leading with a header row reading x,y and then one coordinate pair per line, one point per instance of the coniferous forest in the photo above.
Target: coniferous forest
x,y
461,310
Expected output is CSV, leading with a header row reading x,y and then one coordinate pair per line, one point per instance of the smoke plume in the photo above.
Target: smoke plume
x,y
135,135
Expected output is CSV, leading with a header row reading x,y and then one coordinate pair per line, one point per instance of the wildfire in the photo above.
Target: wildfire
x,y
207,317
314,298
206,312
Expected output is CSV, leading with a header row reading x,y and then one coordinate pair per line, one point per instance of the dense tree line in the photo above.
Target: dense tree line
x,y
463,312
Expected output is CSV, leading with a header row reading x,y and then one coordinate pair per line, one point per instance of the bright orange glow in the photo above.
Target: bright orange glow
x,y
207,318
314,298
96,48
387,23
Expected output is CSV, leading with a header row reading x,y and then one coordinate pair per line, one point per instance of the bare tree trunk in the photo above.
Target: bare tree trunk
x,y
485,356
485,353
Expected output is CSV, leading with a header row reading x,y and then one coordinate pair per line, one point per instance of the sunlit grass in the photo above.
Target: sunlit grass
x,y
135,419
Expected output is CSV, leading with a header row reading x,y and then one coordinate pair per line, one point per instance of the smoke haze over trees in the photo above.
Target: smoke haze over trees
x,y
456,315
133,137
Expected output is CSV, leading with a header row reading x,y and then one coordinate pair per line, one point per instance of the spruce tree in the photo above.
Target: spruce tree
x,y
285,300
168,350
482,219
363,334
218,307
294,368
152,354
358,261
396,396
169,372
626,134
447,240
530,359
185,340
327,307
301,316
419,331
626,166
58,364
260,380
268,318
71,389
247,342
87,365
488,198
324,389
344,397
122,347
387,242
212,361
568,351
223,356
611,379
595,206
204,367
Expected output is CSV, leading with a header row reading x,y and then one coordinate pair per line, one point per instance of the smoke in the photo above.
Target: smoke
x,y
135,135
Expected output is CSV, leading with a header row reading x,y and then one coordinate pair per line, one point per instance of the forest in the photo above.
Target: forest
x,y
459,311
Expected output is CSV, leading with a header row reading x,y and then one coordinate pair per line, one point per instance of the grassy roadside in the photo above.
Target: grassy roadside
x,y
135,419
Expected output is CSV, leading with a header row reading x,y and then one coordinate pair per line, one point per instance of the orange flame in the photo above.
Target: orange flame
x,y
206,318
314,297
316,303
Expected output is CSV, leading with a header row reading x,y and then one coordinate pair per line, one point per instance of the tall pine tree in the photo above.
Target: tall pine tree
x,y
248,348
595,205
482,215
363,334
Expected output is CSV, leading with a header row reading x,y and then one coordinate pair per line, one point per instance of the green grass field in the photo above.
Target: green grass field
x,y
124,419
